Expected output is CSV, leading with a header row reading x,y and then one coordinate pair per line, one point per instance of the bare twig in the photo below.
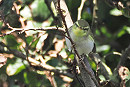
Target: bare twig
x,y
94,19
51,79
18,12
40,66
21,30
63,8
80,9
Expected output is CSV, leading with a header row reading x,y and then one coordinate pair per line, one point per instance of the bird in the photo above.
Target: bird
x,y
82,37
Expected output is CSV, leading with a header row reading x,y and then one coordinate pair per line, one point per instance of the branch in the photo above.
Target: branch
x,y
80,9
15,52
60,6
21,30
37,65
94,19
124,57
88,80
40,66
123,60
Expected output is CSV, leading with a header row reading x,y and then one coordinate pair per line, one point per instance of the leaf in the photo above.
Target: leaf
x,y
105,32
33,79
40,10
11,41
15,68
123,31
6,6
26,12
33,45
55,62
29,39
115,12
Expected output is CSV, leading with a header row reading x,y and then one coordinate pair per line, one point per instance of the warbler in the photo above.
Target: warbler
x,y
82,37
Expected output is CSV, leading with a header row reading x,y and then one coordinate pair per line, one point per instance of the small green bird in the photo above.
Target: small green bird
x,y
81,34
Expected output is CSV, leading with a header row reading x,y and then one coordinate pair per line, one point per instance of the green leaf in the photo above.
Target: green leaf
x,y
6,6
15,68
55,62
11,41
105,32
123,31
33,45
97,32
33,79
1,23
29,39
40,10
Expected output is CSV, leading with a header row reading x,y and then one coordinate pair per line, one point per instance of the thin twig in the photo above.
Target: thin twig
x,y
40,66
94,19
18,12
80,9
21,30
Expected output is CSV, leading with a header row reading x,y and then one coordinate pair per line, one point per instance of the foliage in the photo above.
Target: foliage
x,y
27,50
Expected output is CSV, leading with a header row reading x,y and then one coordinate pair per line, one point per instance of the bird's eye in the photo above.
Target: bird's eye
x,y
84,28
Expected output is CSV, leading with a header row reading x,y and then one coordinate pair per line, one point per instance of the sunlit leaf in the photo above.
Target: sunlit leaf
x,y
102,78
26,12
15,68
128,29
115,12
97,32
103,48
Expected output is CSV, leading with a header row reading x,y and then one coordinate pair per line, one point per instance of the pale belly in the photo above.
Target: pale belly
x,y
83,45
